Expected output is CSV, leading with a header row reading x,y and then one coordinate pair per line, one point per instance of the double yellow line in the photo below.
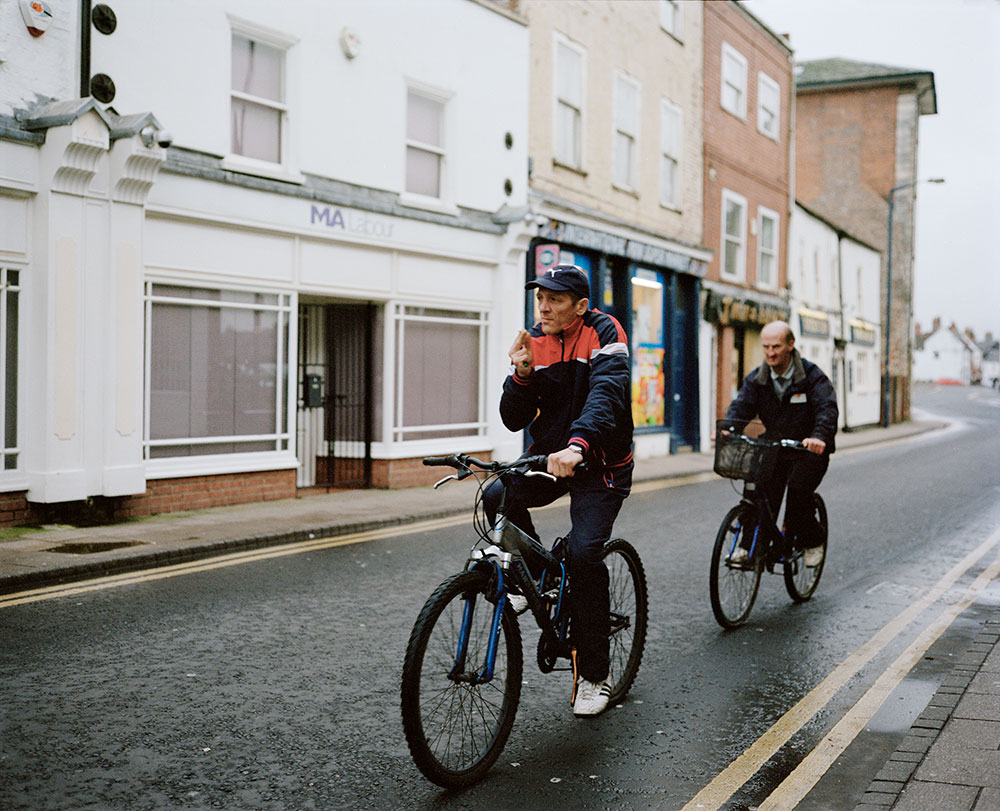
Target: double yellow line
x,y
801,781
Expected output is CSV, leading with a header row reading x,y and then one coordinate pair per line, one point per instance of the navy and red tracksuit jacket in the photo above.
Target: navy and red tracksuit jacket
x,y
578,393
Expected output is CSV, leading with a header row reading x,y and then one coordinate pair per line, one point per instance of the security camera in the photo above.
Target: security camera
x,y
151,135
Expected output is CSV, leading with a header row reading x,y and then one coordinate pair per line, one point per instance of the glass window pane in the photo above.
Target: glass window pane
x,y
668,180
626,112
423,172
623,160
10,370
440,377
569,78
567,135
766,269
767,232
256,68
256,131
732,260
423,120
734,219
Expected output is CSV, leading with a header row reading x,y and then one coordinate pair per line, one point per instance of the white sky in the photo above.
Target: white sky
x,y
957,261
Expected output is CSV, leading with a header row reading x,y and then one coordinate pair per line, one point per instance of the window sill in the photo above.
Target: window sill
x,y
767,288
767,134
741,116
557,164
625,190
272,171
411,200
671,207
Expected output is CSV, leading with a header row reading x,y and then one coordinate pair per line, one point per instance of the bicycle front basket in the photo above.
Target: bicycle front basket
x,y
738,458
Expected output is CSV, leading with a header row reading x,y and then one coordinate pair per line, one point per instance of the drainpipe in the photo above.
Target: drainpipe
x,y
843,324
85,48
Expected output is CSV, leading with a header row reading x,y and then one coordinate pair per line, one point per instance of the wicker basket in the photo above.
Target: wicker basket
x,y
737,457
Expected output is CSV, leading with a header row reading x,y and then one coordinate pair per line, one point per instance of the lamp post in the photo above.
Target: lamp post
x,y
887,394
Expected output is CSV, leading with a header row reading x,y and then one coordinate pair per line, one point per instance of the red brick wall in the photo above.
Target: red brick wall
x,y
738,157
394,474
199,492
15,510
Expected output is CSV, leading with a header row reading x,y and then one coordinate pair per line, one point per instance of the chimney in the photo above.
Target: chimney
x,y
919,331
989,337
937,325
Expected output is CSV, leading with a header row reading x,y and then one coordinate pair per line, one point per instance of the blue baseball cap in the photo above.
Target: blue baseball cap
x,y
563,278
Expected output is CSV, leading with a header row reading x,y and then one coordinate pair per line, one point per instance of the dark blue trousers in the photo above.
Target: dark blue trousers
x,y
803,473
595,499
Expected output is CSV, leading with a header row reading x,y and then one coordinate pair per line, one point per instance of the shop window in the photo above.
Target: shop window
x,y
439,373
734,81
670,154
217,371
648,349
768,106
626,132
570,79
258,112
425,144
9,322
767,249
734,235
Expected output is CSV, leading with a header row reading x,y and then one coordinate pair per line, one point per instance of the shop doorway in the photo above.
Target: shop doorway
x,y
335,418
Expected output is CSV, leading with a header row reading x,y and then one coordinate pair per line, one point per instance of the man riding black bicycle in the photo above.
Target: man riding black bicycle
x,y
794,399
570,384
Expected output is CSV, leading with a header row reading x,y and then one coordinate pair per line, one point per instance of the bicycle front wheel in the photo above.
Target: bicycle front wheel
x,y
801,580
457,721
733,586
629,614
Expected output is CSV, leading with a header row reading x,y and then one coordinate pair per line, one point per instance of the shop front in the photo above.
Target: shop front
x,y
653,292
733,319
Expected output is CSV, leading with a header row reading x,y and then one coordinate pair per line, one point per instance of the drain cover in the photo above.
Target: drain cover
x,y
93,547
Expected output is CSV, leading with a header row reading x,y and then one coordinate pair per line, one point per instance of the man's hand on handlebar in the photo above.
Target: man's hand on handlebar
x,y
562,463
810,443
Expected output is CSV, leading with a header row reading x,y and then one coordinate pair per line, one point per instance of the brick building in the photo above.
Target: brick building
x,y
748,197
856,148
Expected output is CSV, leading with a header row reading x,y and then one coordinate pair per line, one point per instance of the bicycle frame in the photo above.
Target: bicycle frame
x,y
766,521
505,556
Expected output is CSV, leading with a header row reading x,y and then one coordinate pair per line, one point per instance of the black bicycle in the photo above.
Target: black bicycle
x,y
461,679
749,540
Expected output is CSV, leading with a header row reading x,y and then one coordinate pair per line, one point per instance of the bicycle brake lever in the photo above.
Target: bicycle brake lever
x,y
437,484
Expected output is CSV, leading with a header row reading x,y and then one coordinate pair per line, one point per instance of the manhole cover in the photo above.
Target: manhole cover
x,y
92,547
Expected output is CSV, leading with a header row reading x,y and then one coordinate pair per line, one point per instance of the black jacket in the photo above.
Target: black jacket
x,y
579,391
808,408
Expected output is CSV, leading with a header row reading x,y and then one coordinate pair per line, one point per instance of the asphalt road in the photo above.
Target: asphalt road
x,y
275,684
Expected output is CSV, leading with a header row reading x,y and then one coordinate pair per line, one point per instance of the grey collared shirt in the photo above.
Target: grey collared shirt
x,y
783,381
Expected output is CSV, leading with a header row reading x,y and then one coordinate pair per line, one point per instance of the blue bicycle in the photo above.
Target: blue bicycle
x,y
461,679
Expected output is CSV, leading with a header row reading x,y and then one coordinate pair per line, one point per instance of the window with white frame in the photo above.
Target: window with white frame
x,y
734,81
626,132
671,119
425,144
671,19
9,319
440,373
570,78
734,235
768,106
217,380
861,371
767,248
258,110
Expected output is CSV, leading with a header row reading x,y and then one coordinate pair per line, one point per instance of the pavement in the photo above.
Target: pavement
x,y
949,760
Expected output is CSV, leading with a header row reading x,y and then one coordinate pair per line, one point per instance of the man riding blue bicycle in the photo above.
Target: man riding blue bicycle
x,y
570,384
794,399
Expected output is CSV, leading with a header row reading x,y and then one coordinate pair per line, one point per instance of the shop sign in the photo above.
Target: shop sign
x,y
814,323
352,222
726,310
862,332
613,245
546,256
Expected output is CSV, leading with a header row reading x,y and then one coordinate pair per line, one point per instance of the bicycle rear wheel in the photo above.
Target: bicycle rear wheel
x,y
629,615
801,580
733,587
455,725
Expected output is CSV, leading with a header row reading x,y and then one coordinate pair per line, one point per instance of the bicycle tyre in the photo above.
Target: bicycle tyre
x,y
801,580
456,730
629,615
733,590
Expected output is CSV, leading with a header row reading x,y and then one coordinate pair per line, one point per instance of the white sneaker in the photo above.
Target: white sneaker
x,y
518,602
739,556
591,699
812,557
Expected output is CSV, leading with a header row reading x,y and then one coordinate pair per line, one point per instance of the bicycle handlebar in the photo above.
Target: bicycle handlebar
x,y
461,461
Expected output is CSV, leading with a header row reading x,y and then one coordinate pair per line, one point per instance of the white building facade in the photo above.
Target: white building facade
x,y
293,257
834,296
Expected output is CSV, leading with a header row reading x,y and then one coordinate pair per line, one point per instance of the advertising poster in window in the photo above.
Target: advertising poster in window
x,y
648,351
